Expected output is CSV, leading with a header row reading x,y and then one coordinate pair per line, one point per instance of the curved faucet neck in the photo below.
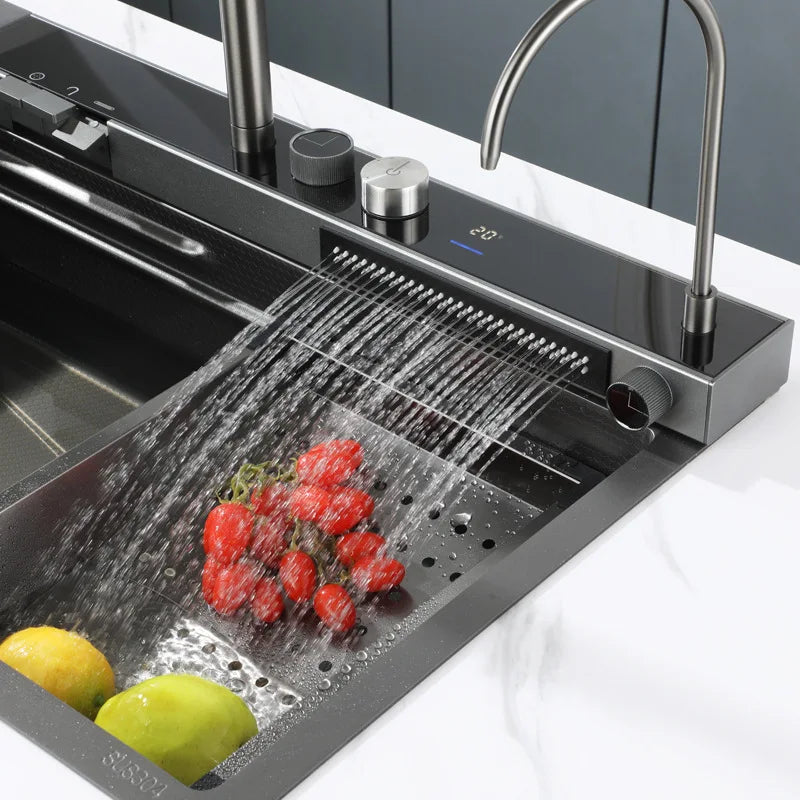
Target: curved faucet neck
x,y
700,308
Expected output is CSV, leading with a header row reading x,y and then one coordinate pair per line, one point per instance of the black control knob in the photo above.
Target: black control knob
x,y
321,157
639,398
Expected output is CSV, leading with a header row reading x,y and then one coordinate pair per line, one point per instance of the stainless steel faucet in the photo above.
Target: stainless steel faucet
x,y
699,316
244,39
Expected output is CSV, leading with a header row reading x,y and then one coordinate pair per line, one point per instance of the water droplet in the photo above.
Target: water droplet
x,y
170,572
390,637
361,655
236,685
325,685
453,556
346,669
397,626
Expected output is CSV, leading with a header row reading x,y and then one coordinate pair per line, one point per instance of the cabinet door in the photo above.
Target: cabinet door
x,y
585,109
158,7
759,200
343,42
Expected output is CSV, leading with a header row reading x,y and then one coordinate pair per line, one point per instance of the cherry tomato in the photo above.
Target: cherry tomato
x,y
298,574
346,509
329,463
267,603
210,572
377,574
234,586
269,538
353,546
227,532
309,503
271,498
335,607
351,448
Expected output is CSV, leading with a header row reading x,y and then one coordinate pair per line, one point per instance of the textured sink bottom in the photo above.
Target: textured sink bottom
x,y
47,405
150,618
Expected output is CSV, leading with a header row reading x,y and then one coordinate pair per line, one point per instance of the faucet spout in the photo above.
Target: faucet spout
x,y
701,298
244,39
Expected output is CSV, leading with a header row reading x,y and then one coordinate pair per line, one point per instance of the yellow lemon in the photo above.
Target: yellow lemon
x,y
63,663
185,724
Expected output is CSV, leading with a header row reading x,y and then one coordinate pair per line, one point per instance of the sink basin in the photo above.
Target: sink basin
x,y
108,306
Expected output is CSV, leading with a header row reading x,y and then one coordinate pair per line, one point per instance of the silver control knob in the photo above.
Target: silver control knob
x,y
639,398
394,187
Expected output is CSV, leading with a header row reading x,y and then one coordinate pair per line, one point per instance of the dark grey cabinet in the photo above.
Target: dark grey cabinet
x,y
344,43
587,107
160,8
760,172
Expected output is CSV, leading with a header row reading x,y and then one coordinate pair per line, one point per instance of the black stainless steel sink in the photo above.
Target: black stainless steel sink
x,y
104,316
126,266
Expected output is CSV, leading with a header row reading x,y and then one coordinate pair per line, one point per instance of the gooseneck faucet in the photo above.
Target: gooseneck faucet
x,y
699,316
244,39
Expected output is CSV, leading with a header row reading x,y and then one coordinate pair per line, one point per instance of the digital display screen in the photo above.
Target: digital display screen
x,y
485,234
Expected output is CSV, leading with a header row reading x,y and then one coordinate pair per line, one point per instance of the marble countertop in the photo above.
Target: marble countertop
x,y
663,662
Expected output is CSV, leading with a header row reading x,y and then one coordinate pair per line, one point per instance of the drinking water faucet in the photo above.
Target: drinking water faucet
x,y
699,316
244,40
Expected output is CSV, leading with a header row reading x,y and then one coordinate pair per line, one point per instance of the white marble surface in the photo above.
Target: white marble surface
x,y
664,662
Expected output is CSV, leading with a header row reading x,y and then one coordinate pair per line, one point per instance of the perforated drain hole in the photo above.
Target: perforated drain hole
x,y
234,665
460,522
394,595
434,513
261,682
183,633
288,700
401,547
361,630
407,500
325,666
428,561
209,648
487,544
169,572
454,576
379,485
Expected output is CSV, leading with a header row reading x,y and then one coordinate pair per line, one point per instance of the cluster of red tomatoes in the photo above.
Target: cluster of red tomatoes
x,y
299,524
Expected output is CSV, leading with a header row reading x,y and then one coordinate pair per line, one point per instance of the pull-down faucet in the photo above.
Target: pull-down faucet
x,y
699,316
244,39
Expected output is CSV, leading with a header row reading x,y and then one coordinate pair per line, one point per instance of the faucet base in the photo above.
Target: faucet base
x,y
253,140
700,311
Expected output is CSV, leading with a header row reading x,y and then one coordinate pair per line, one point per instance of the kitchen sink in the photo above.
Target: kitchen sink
x,y
135,246
104,317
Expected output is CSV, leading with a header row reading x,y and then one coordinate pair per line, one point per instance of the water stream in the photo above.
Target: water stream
x,y
427,384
